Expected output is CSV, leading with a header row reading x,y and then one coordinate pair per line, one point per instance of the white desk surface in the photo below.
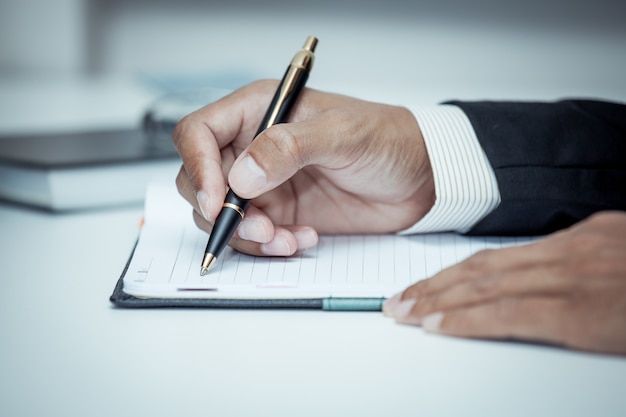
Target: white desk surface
x,y
65,350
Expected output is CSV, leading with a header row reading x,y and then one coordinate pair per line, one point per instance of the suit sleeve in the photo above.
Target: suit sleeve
x,y
555,163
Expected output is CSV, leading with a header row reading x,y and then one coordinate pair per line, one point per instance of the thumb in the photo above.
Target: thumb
x,y
274,157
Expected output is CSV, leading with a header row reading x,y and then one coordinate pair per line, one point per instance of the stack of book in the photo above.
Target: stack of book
x,y
83,170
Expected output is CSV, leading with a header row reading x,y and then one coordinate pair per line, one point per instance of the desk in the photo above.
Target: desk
x,y
66,351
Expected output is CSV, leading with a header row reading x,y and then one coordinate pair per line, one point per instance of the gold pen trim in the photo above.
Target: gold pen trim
x,y
301,61
235,207
207,261
287,86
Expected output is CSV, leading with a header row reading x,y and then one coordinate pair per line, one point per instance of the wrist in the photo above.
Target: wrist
x,y
424,196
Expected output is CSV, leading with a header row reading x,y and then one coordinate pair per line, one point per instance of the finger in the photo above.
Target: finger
x,y
185,188
283,149
197,199
262,238
201,222
201,137
274,157
256,226
287,241
197,146
485,275
542,280
539,319
482,264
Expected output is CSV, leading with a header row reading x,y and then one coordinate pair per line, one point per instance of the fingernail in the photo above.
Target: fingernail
x,y
246,176
389,307
432,322
252,229
204,203
277,247
404,308
306,239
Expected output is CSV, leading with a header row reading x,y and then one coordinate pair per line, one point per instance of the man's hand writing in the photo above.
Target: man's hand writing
x,y
340,166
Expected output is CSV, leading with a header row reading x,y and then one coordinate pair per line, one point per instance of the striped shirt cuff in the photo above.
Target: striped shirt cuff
x,y
465,185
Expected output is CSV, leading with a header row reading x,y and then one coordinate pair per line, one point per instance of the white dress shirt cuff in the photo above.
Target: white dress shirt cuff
x,y
465,185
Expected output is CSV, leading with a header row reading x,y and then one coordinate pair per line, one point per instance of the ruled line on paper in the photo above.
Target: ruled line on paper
x,y
170,253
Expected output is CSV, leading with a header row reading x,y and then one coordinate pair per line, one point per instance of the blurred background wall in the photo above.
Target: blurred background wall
x,y
394,50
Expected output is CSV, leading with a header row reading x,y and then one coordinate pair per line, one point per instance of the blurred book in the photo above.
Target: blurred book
x,y
74,144
162,114
80,170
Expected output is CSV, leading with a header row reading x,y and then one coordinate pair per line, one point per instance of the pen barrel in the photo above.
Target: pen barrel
x,y
286,96
280,108
226,223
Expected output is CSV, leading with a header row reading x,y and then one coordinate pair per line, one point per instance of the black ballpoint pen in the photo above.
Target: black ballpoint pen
x,y
286,95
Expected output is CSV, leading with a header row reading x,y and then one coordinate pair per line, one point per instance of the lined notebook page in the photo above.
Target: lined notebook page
x,y
166,261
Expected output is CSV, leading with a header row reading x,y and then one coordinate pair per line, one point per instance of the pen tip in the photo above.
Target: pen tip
x,y
207,261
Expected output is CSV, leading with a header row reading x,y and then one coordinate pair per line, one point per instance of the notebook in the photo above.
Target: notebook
x,y
343,272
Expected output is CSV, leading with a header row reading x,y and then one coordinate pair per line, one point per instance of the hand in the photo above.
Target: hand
x,y
568,289
340,166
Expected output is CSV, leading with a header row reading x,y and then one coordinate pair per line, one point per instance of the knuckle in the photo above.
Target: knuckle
x,y
180,130
426,305
264,84
587,243
261,90
458,323
606,218
603,222
421,287
483,288
480,262
182,178
201,223
349,120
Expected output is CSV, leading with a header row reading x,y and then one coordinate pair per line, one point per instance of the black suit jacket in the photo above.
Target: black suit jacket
x,y
555,163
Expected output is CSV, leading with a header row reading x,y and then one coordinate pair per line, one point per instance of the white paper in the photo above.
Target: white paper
x,y
166,262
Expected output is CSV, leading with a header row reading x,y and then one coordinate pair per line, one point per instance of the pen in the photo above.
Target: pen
x,y
234,207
